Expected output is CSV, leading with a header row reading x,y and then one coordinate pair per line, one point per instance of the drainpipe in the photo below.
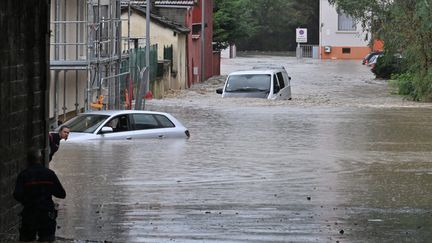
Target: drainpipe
x,y
203,41
65,26
56,57
64,108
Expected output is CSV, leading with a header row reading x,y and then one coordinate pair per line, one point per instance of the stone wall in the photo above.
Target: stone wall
x,y
24,26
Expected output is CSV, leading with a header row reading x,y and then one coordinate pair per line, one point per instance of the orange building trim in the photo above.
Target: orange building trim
x,y
355,53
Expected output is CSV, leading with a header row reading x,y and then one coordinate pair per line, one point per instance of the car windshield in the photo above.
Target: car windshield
x,y
86,123
248,83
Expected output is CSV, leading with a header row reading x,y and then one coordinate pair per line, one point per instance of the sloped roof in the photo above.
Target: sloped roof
x,y
161,20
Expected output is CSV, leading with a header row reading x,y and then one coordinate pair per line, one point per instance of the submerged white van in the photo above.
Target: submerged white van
x,y
260,82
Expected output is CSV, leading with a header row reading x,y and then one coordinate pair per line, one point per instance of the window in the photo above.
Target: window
x,y
276,87
346,50
196,29
281,80
86,123
346,23
149,121
144,121
119,123
165,122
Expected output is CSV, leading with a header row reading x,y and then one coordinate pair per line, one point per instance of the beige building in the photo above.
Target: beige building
x,y
164,33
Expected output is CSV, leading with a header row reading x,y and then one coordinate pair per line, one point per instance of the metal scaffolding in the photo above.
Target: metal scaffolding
x,y
86,54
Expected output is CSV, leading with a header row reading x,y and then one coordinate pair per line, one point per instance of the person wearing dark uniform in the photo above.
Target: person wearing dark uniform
x,y
54,140
34,189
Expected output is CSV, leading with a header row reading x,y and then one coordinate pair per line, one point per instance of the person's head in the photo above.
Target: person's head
x,y
34,156
64,132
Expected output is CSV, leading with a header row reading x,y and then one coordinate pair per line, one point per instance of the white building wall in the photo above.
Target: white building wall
x,y
71,84
331,36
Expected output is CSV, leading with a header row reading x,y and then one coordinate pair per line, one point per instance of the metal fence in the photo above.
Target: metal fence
x,y
307,51
137,63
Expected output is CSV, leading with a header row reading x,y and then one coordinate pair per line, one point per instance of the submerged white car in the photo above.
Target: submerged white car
x,y
124,124
261,82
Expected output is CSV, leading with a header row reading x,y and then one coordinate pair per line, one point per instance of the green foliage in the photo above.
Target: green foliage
x,y
423,86
383,69
405,26
267,25
232,20
277,21
404,83
389,64
417,86
370,13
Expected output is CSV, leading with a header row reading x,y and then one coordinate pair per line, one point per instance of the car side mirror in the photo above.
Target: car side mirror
x,y
219,91
106,129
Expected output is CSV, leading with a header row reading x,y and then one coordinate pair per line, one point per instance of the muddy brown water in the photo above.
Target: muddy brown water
x,y
345,160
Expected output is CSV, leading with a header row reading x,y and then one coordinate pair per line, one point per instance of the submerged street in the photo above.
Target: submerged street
x,y
344,161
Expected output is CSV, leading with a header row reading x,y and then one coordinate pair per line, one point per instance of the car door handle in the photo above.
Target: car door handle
x,y
161,136
128,138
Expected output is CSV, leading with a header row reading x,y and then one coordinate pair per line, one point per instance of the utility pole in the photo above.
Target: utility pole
x,y
202,40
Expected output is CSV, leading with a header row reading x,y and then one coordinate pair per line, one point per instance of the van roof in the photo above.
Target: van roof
x,y
258,71
268,67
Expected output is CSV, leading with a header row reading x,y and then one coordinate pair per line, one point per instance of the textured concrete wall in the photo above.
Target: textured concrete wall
x,y
24,26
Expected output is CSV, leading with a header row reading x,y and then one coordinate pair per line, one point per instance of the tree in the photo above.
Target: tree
x,y
405,26
232,21
267,25
277,21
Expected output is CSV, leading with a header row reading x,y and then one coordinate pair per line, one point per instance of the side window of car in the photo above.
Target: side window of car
x,y
164,121
276,87
281,80
287,78
113,123
145,121
119,123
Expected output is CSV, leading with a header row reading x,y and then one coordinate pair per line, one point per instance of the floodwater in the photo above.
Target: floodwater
x,y
344,161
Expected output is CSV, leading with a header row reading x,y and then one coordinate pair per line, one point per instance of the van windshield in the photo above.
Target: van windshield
x,y
248,83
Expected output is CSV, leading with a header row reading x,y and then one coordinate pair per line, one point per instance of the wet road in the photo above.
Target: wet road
x,y
343,161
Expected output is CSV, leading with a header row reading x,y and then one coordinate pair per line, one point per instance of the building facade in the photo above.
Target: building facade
x,y
24,81
86,58
341,37
189,13
164,33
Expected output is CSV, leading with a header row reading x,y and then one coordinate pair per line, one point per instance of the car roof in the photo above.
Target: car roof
x,y
119,112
